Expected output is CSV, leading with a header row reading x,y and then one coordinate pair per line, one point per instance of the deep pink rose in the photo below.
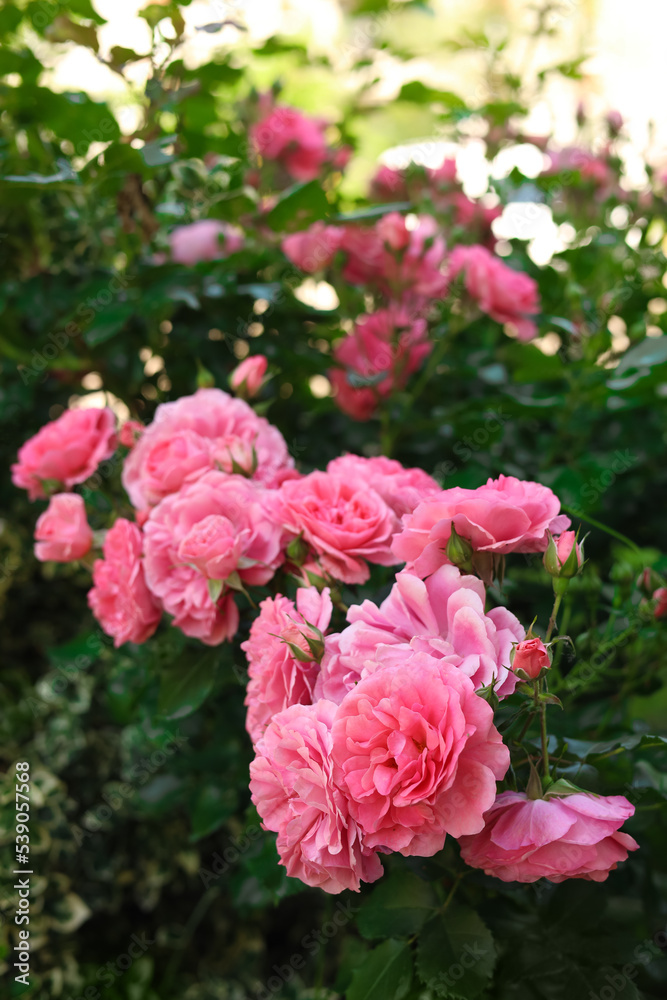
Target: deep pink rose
x,y
247,378
417,754
388,185
660,595
209,430
346,525
385,348
62,532
120,599
591,167
292,786
313,249
558,837
130,432
293,140
207,239
508,296
443,616
217,528
400,488
532,657
278,678
505,515
66,451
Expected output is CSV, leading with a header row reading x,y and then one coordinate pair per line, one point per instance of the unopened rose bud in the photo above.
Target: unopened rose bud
x,y
648,582
530,658
459,550
130,433
564,556
247,378
614,122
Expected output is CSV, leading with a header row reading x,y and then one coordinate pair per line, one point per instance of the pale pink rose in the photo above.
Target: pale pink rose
x,y
417,754
313,249
401,489
292,787
209,430
443,616
590,166
278,678
346,526
532,657
508,296
225,525
293,140
130,432
248,377
558,837
505,515
120,599
62,532
207,239
385,348
66,451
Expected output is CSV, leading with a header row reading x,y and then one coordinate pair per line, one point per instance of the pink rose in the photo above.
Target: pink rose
x,y
293,140
209,430
508,296
278,678
532,657
346,525
558,837
66,451
445,174
219,527
505,515
417,755
385,348
443,616
207,239
293,789
248,377
313,249
62,532
400,488
120,599
660,595
388,185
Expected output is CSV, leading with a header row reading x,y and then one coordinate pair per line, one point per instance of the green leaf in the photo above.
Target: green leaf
x,y
456,953
399,906
212,807
582,749
109,322
65,176
298,207
649,352
184,686
386,974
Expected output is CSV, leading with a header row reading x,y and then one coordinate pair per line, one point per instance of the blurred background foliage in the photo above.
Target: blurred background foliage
x,y
141,822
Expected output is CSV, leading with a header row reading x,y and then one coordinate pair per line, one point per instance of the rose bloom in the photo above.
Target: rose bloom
x,y
120,599
207,239
386,347
505,515
417,755
278,678
212,528
66,451
209,430
388,185
443,616
508,296
130,432
293,789
400,488
62,532
313,249
532,657
249,375
346,525
293,140
559,837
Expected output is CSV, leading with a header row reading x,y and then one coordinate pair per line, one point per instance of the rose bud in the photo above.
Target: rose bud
x,y
660,596
564,556
247,378
530,658
62,533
